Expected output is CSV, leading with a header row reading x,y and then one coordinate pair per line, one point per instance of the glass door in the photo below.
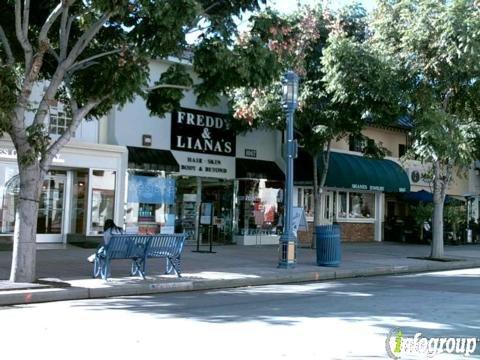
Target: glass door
x,y
51,208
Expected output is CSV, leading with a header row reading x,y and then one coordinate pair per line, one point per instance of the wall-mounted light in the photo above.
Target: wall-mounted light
x,y
146,140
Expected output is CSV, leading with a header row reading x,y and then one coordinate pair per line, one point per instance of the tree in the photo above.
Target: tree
x,y
312,42
430,49
434,46
92,55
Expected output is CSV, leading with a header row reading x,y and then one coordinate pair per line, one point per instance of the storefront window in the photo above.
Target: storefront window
x,y
358,206
150,203
342,201
8,196
103,198
51,201
259,207
362,205
305,200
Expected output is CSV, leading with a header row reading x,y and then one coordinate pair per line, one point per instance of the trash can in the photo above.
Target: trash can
x,y
328,245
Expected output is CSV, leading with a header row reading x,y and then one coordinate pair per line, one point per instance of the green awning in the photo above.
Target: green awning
x,y
258,169
348,171
151,159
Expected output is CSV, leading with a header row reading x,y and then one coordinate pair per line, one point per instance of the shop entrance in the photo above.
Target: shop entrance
x,y
52,208
218,193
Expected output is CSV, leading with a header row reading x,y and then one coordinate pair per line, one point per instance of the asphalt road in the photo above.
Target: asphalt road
x,y
326,320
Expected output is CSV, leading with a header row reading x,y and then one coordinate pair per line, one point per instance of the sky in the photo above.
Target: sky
x,y
287,6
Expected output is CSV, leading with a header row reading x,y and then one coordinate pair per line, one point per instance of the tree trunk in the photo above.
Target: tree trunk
x,y
437,241
438,203
317,195
24,245
318,184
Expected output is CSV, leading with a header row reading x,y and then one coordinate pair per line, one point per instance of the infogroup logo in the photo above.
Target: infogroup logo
x,y
398,345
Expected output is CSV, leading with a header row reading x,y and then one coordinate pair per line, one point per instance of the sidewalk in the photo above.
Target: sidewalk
x,y
65,274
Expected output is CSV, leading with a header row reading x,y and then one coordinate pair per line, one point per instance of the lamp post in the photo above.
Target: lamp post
x,y
287,256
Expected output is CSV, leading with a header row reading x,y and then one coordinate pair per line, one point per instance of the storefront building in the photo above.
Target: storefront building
x,y
372,199
189,172
353,196
83,188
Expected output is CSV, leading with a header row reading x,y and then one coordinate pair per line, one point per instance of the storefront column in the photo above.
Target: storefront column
x,y
67,212
198,239
379,205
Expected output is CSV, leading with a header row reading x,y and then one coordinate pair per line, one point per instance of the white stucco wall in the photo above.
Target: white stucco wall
x,y
127,125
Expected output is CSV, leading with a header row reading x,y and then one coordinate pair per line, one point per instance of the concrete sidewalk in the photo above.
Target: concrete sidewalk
x,y
64,274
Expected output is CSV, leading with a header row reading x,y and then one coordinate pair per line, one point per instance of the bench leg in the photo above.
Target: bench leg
x,y
105,269
138,267
173,265
97,266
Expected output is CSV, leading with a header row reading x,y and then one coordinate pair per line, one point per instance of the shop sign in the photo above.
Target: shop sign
x,y
191,164
151,190
201,132
11,154
251,153
368,187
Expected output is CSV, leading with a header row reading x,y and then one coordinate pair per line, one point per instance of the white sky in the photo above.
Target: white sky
x,y
287,6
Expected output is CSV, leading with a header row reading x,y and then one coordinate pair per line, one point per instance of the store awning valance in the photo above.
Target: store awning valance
x,y
348,171
151,159
258,169
427,197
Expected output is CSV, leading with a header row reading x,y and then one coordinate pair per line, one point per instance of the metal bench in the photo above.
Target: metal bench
x,y
138,248
169,247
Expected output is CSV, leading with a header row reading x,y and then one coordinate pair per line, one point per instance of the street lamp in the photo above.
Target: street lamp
x,y
287,256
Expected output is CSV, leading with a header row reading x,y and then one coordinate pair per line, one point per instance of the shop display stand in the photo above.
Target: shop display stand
x,y
209,231
210,242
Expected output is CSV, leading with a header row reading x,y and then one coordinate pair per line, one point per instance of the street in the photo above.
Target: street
x,y
323,320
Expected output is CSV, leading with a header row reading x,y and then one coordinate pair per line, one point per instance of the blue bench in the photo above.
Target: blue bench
x,y
138,248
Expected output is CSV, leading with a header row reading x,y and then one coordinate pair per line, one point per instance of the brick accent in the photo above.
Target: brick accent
x,y
357,232
305,238
351,232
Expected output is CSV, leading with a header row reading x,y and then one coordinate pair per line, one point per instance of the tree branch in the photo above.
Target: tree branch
x,y
171,86
26,17
65,26
78,64
63,67
446,99
52,51
22,38
6,46
43,36
205,11
86,38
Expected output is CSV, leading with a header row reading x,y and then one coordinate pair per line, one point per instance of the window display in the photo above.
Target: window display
x,y
305,200
259,207
354,205
150,203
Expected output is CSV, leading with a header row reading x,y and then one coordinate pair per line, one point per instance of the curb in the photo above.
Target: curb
x,y
30,296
